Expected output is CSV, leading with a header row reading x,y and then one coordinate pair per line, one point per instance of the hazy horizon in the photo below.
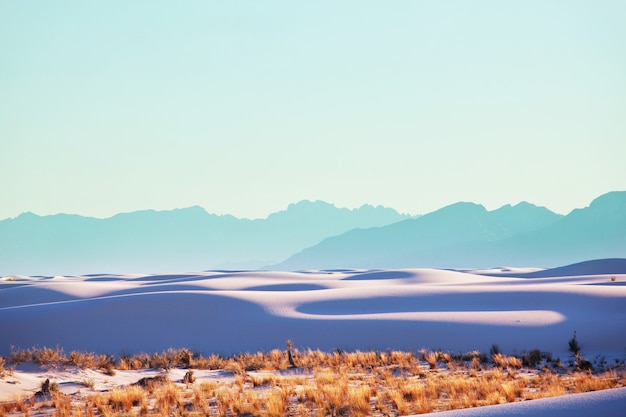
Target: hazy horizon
x,y
243,108
208,210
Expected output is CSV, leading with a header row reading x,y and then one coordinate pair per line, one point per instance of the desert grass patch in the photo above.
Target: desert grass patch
x,y
430,357
327,393
503,361
5,369
124,399
358,383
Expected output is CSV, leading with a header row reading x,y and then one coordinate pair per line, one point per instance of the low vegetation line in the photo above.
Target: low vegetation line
x,y
307,383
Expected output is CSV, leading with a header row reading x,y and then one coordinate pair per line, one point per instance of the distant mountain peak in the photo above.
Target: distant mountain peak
x,y
27,215
460,208
613,198
521,206
525,204
309,204
306,202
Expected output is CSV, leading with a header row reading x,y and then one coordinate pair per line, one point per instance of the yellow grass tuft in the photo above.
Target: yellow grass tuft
x,y
124,399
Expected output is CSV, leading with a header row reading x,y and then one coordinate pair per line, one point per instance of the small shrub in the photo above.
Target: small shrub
x,y
233,367
503,361
123,399
186,358
213,362
476,364
514,362
574,346
82,360
584,365
430,358
532,358
48,356
275,404
106,364
88,383
359,401
152,382
263,380
47,386
189,378
3,370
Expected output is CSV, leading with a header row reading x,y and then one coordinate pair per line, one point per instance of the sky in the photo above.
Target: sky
x,y
243,107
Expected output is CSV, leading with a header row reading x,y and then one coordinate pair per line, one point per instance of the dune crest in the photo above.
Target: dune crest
x,y
229,312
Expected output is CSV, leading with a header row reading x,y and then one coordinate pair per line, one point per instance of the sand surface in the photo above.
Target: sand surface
x,y
228,312
607,403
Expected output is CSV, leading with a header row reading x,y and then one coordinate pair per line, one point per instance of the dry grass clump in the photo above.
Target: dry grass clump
x,y
430,357
503,361
124,399
56,357
584,382
4,369
18,405
88,383
262,380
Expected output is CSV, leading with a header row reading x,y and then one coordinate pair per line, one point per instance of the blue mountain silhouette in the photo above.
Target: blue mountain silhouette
x,y
467,235
314,235
172,240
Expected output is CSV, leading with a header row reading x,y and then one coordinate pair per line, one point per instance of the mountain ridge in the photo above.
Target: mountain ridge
x,y
313,235
466,234
186,238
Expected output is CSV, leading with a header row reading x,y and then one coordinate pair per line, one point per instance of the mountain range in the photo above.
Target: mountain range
x,y
313,235
467,235
173,240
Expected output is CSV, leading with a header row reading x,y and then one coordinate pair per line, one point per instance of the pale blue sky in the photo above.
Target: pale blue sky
x,y
243,107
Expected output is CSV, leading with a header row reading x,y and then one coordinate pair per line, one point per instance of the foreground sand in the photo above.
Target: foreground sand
x,y
607,403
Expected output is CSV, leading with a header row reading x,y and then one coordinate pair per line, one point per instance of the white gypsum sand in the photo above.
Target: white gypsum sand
x,y
606,403
231,312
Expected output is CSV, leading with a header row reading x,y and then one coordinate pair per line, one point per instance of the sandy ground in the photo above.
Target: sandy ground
x,y
228,312
607,403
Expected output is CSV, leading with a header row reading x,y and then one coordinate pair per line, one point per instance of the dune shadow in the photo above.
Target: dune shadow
x,y
212,322
367,276
146,322
14,285
167,287
172,277
101,274
23,295
105,279
287,287
594,267
460,302
161,279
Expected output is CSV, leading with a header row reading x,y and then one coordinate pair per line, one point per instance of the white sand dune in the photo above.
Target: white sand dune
x,y
229,312
607,403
